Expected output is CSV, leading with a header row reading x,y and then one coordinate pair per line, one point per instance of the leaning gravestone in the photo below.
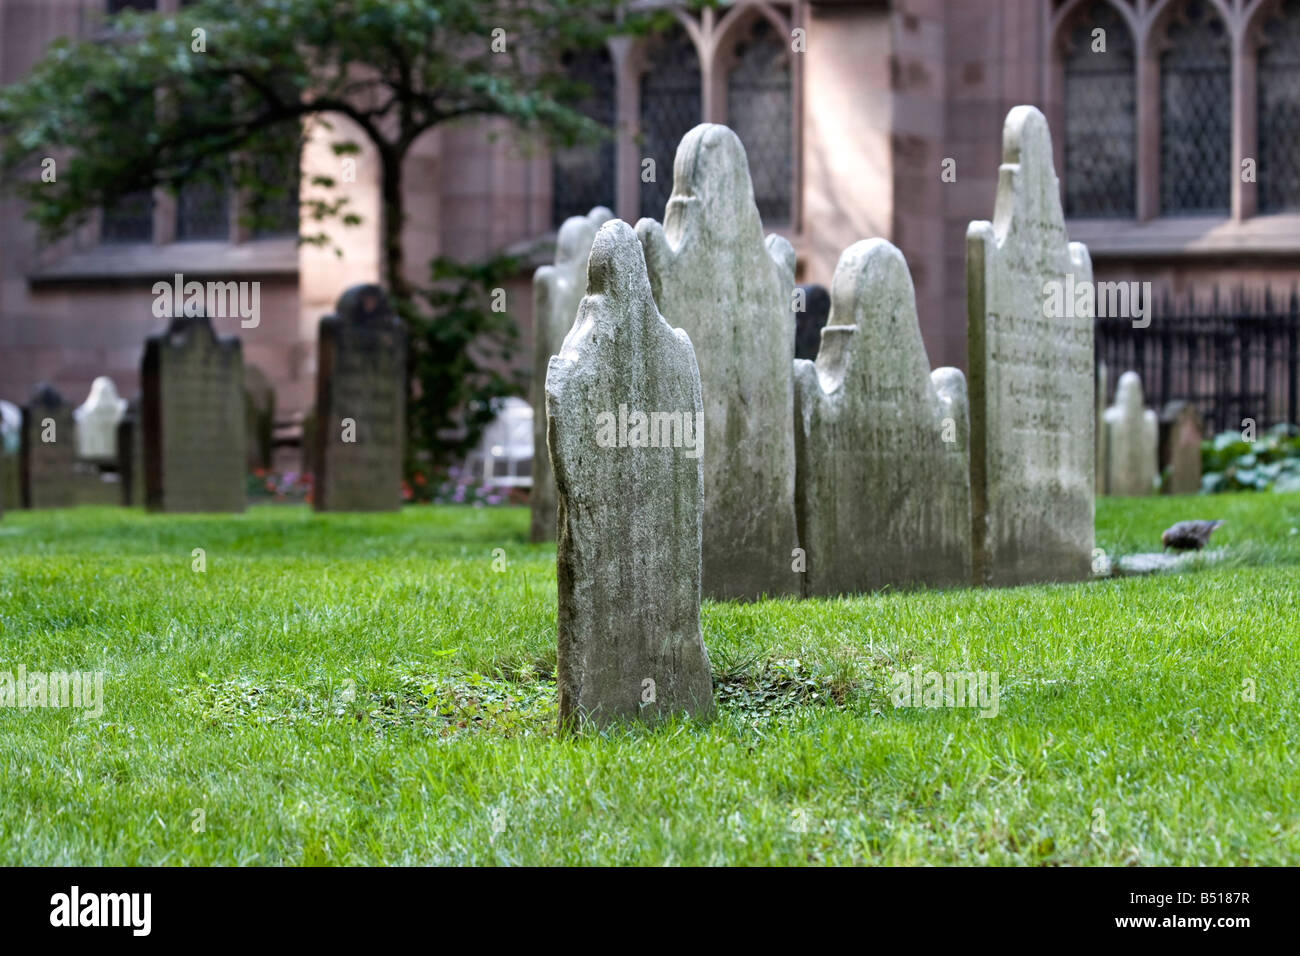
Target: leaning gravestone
x,y
1181,431
97,419
731,291
1031,375
1132,440
883,488
192,411
623,401
49,451
360,405
557,291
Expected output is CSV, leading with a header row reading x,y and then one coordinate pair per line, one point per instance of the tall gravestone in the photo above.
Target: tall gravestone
x,y
557,291
97,419
623,402
192,410
1132,440
1031,374
883,488
49,451
731,291
360,415
1181,431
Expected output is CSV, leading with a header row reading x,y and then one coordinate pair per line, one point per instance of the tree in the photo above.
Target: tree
x,y
232,81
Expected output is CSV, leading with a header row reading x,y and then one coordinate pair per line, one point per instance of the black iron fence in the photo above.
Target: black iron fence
x,y
1234,355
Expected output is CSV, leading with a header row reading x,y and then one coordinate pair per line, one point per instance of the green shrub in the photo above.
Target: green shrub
x,y
1230,463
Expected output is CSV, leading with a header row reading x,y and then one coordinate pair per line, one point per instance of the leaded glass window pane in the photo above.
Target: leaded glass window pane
x,y
582,176
1196,114
117,6
1278,102
670,108
273,184
203,211
1100,115
759,111
129,219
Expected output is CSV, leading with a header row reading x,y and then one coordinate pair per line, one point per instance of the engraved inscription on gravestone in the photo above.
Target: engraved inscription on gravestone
x,y
360,414
195,444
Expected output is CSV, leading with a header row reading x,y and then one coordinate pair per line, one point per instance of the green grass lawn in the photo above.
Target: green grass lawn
x,y
357,689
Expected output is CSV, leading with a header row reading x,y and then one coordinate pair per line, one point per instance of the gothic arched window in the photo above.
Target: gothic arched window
x,y
1278,86
670,108
1100,114
759,110
1196,113
582,176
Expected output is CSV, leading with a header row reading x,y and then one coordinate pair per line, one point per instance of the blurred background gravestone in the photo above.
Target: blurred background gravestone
x,y
1181,432
49,451
360,405
259,403
195,444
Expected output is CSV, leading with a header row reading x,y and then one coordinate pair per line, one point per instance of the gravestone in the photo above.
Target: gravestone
x,y
49,451
1181,432
360,405
97,419
259,406
624,406
557,291
731,291
883,487
192,412
1132,440
810,321
1031,374
130,455
11,440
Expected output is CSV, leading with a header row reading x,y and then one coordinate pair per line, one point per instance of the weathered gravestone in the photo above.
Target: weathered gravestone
x,y
623,400
360,414
731,291
259,408
1181,432
97,419
49,451
130,455
557,291
1031,374
192,411
810,320
1132,439
883,487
